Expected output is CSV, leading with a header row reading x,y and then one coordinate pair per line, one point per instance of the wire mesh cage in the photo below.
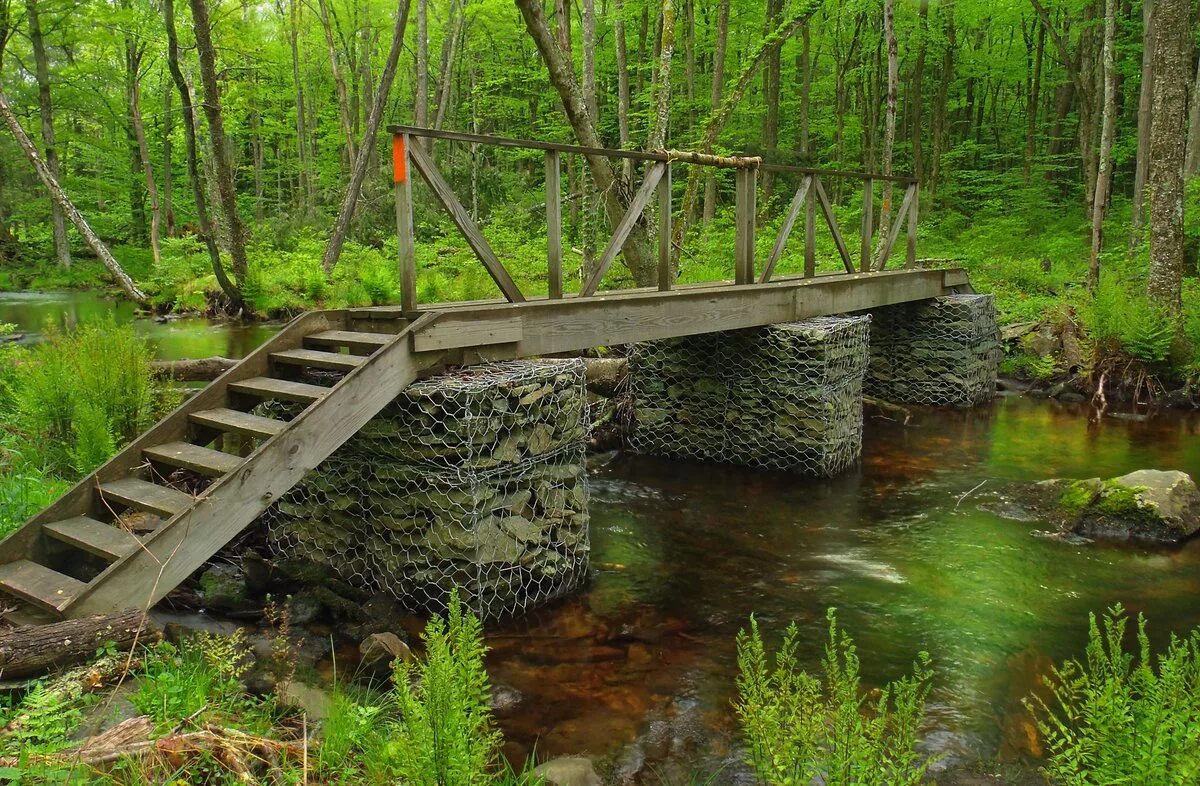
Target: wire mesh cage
x,y
474,480
941,352
785,396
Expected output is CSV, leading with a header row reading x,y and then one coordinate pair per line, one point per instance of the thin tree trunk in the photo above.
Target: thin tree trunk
x,y
616,191
62,245
139,132
1172,46
168,190
370,133
662,81
1191,161
222,154
589,59
1031,106
801,11
1142,163
1109,121
805,87
718,84
64,202
421,88
623,107
304,183
772,74
339,81
188,110
449,49
889,126
916,111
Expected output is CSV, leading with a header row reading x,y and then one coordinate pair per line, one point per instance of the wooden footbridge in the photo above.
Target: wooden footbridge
x,y
138,526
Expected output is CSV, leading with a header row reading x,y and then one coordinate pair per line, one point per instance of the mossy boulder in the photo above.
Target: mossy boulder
x,y
1146,505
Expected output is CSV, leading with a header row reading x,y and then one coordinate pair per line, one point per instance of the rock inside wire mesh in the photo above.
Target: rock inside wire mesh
x,y
785,396
474,479
942,352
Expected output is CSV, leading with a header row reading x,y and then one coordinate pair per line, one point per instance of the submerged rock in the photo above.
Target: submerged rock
x,y
1147,505
568,771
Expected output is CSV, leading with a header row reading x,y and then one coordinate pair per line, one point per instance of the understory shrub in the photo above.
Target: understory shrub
x,y
1121,716
802,729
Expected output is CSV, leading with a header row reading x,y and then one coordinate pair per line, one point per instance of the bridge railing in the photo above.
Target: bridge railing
x,y
809,198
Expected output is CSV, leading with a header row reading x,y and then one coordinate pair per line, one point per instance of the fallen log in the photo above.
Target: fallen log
x,y
33,650
193,370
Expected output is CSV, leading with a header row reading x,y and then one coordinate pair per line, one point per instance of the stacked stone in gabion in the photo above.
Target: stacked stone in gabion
x,y
784,396
474,479
942,352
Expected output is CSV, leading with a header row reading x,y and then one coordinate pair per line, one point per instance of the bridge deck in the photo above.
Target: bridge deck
x,y
500,330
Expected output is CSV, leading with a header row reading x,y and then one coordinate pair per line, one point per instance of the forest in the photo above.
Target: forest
x,y
229,154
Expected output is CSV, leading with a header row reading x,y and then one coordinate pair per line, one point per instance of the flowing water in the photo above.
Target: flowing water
x,y
641,665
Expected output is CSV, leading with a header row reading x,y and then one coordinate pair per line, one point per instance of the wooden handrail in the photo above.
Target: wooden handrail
x,y
664,156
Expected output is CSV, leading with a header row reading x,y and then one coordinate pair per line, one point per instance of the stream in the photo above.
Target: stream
x,y
640,666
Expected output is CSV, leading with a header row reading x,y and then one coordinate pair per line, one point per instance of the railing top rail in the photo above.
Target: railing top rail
x,y
687,157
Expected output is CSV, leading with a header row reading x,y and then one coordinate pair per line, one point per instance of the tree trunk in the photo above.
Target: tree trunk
x,y
589,59
718,83
1145,94
916,110
188,110
805,87
801,11
1172,47
139,133
617,191
1191,161
657,138
304,199
168,190
60,197
421,87
449,48
370,133
34,650
222,154
1108,127
1031,106
62,245
345,115
772,74
623,102
889,125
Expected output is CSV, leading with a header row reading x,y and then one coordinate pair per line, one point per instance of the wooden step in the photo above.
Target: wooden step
x,y
95,537
357,342
279,389
44,588
206,461
231,420
311,358
146,496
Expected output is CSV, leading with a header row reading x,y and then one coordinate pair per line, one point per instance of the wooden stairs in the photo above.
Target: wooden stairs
x,y
134,529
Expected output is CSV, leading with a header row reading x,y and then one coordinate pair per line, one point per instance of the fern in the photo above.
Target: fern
x,y
1121,717
1149,332
800,729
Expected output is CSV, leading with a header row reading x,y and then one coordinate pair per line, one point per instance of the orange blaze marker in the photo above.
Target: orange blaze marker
x,y
399,159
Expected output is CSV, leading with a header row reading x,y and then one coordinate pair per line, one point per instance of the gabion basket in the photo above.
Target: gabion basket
x,y
473,480
785,396
941,352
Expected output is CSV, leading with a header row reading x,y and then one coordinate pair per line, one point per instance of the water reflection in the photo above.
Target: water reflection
x,y
684,553
189,337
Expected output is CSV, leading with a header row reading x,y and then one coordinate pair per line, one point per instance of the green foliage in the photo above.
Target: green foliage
x,y
79,386
445,733
801,728
200,674
1121,317
1122,716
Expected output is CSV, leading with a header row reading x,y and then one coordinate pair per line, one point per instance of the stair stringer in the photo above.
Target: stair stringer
x,y
83,499
185,542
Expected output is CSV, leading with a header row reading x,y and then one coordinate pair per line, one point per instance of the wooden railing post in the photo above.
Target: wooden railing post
x,y
402,184
868,226
747,191
664,230
810,229
554,224
910,258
